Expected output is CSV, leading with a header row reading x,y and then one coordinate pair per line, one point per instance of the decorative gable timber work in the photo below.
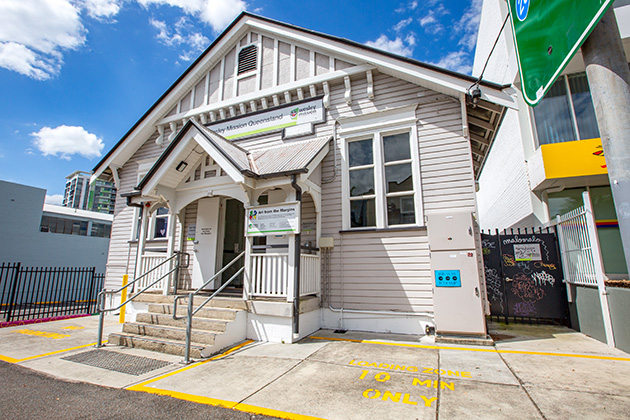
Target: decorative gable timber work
x,y
292,63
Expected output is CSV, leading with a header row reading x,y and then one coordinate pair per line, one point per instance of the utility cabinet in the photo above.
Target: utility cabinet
x,y
457,289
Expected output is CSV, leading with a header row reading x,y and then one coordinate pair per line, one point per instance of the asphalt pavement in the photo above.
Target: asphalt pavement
x,y
27,394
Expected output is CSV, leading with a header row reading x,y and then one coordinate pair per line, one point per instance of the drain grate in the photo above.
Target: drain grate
x,y
118,362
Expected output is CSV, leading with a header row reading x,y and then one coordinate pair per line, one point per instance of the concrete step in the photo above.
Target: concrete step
x,y
167,333
217,302
207,324
176,347
207,312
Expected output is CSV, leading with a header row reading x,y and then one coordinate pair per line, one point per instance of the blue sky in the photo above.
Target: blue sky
x,y
75,75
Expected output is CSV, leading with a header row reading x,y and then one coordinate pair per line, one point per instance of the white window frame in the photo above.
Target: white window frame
x,y
377,126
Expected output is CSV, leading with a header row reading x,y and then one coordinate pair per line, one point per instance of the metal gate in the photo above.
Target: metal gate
x,y
524,275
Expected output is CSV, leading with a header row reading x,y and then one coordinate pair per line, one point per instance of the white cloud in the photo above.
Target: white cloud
x,y
409,6
56,199
403,24
184,35
101,8
66,141
468,25
217,13
458,61
34,33
396,46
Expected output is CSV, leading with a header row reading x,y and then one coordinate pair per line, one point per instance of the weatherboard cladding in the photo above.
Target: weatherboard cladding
x,y
386,270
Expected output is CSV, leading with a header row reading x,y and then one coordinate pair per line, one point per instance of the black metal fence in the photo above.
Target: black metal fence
x,y
47,292
524,279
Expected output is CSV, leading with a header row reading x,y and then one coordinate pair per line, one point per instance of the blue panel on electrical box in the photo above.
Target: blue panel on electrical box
x,y
448,278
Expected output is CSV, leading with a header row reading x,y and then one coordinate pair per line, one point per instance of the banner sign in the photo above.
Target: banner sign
x,y
309,111
273,219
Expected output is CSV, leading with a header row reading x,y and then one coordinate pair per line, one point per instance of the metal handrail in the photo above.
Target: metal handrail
x,y
190,313
100,299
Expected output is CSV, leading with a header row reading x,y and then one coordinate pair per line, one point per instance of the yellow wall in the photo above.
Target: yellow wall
x,y
574,158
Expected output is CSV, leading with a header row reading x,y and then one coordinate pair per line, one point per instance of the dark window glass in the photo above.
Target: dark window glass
x,y
361,182
396,147
160,228
362,213
553,116
583,106
398,178
400,210
360,153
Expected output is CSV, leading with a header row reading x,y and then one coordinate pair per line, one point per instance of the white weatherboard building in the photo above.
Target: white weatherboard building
x,y
277,130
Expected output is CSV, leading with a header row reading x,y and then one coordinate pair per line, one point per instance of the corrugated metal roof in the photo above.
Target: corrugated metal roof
x,y
237,154
292,157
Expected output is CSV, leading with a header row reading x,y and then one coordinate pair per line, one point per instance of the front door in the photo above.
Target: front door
x,y
233,240
205,248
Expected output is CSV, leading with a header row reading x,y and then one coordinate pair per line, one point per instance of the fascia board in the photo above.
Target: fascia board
x,y
169,162
433,79
216,155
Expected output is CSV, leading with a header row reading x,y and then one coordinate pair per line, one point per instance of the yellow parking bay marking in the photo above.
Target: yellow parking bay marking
x,y
483,350
14,360
54,336
214,401
73,327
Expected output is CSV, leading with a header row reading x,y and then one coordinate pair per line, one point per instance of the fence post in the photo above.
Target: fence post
x,y
599,268
16,279
563,257
91,290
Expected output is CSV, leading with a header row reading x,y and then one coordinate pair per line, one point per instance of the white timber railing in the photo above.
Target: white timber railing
x,y
270,275
148,262
582,258
310,269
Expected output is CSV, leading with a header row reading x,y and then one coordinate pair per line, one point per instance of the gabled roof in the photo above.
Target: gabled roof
x,y
288,159
408,69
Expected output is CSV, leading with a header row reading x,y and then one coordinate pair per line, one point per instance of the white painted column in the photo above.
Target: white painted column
x,y
291,269
170,247
142,240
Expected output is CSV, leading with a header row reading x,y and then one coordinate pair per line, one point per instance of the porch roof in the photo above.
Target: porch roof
x,y
286,159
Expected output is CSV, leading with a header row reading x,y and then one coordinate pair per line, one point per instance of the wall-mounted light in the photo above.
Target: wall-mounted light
x,y
182,165
474,93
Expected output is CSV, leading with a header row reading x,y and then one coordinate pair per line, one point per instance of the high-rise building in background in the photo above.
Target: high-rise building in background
x,y
79,194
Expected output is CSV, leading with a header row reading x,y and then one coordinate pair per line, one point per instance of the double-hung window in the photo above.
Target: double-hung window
x,y
381,177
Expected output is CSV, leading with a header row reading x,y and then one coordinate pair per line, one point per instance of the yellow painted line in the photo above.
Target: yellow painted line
x,y
13,360
482,350
142,387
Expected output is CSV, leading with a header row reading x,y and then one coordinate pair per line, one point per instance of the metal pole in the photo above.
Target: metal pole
x,y
101,319
189,328
609,80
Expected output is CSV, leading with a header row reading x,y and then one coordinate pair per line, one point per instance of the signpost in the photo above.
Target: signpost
x,y
547,35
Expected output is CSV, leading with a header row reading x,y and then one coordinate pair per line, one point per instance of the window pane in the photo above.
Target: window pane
x,y
396,147
162,210
401,210
360,153
564,201
399,178
361,182
583,105
160,228
553,116
362,213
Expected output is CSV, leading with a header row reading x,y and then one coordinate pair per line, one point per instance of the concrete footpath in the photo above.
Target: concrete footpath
x,y
532,372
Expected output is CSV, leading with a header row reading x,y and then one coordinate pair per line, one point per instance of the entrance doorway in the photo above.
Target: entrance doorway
x,y
233,240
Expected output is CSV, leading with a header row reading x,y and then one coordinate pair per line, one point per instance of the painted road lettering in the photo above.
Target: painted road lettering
x,y
374,394
412,369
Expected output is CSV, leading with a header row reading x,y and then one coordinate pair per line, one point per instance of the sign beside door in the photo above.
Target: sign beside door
x,y
273,219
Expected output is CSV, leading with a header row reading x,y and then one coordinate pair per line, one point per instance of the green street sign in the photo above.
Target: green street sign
x,y
547,33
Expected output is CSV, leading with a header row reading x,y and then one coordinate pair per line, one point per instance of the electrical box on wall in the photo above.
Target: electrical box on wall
x,y
457,297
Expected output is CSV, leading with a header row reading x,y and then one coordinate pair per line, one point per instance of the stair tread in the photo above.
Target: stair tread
x,y
172,327
199,346
195,318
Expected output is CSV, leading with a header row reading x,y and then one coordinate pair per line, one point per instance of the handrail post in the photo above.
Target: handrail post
x,y
101,318
189,327
175,275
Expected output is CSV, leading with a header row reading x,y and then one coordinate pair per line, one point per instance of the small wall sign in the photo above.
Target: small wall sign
x,y
192,232
448,278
